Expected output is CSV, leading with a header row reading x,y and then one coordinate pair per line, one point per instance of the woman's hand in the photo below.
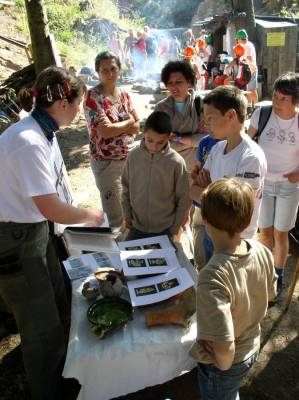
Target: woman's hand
x,y
94,217
128,222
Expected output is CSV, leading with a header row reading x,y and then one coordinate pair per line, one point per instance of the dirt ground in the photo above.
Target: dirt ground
x,y
274,376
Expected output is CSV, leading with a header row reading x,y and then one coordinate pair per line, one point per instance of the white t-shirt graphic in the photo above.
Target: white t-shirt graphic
x,y
280,143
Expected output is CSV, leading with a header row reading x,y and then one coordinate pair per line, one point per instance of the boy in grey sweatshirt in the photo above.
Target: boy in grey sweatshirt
x,y
155,196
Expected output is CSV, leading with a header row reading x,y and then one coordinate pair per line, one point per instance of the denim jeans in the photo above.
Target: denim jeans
x,y
215,384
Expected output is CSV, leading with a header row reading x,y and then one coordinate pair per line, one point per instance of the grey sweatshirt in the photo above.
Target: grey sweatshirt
x,y
155,190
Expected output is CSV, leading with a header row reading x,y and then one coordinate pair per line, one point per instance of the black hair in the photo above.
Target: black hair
x,y
106,55
178,66
159,122
288,84
224,98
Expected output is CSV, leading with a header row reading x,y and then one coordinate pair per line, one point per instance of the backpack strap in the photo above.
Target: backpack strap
x,y
198,105
263,119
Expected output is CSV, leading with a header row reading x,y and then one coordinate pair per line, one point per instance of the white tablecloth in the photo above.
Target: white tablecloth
x,y
129,360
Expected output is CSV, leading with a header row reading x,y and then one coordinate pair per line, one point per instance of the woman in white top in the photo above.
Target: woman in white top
x,y
280,142
31,282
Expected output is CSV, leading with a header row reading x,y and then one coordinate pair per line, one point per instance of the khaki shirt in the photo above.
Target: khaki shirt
x,y
232,298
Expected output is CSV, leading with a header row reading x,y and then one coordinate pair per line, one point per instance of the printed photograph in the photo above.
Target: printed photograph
x,y
152,246
133,248
136,262
157,262
145,290
168,284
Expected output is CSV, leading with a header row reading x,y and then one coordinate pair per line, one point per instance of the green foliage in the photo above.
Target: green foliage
x,y
20,3
108,9
62,16
166,13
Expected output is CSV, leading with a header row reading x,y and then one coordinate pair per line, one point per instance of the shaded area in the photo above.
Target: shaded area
x,y
13,384
279,379
181,388
74,145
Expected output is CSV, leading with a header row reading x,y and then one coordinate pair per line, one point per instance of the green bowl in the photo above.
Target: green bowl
x,y
109,314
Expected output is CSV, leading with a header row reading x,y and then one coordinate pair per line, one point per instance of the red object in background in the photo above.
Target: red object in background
x,y
239,50
206,76
227,81
189,52
219,79
201,43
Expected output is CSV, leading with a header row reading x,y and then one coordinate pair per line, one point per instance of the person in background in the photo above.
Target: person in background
x,y
163,49
148,210
151,50
174,49
128,48
112,125
188,38
115,47
190,58
280,142
233,292
238,70
180,105
72,70
31,281
139,56
250,55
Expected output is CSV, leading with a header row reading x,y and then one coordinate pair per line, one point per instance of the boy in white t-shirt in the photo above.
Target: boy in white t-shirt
x,y
236,155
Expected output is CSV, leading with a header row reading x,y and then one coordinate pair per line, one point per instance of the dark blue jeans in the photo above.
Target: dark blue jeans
x,y
215,384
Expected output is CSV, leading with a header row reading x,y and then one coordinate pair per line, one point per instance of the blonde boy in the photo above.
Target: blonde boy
x,y
234,288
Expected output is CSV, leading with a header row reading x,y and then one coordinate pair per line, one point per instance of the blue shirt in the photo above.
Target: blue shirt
x,y
203,150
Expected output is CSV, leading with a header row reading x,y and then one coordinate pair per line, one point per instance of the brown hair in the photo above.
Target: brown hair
x,y
224,98
227,204
52,84
106,55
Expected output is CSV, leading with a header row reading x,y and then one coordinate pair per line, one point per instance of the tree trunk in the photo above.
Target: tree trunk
x,y
247,22
42,51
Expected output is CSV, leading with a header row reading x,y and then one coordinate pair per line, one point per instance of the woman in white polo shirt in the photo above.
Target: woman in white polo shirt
x,y
31,282
280,142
